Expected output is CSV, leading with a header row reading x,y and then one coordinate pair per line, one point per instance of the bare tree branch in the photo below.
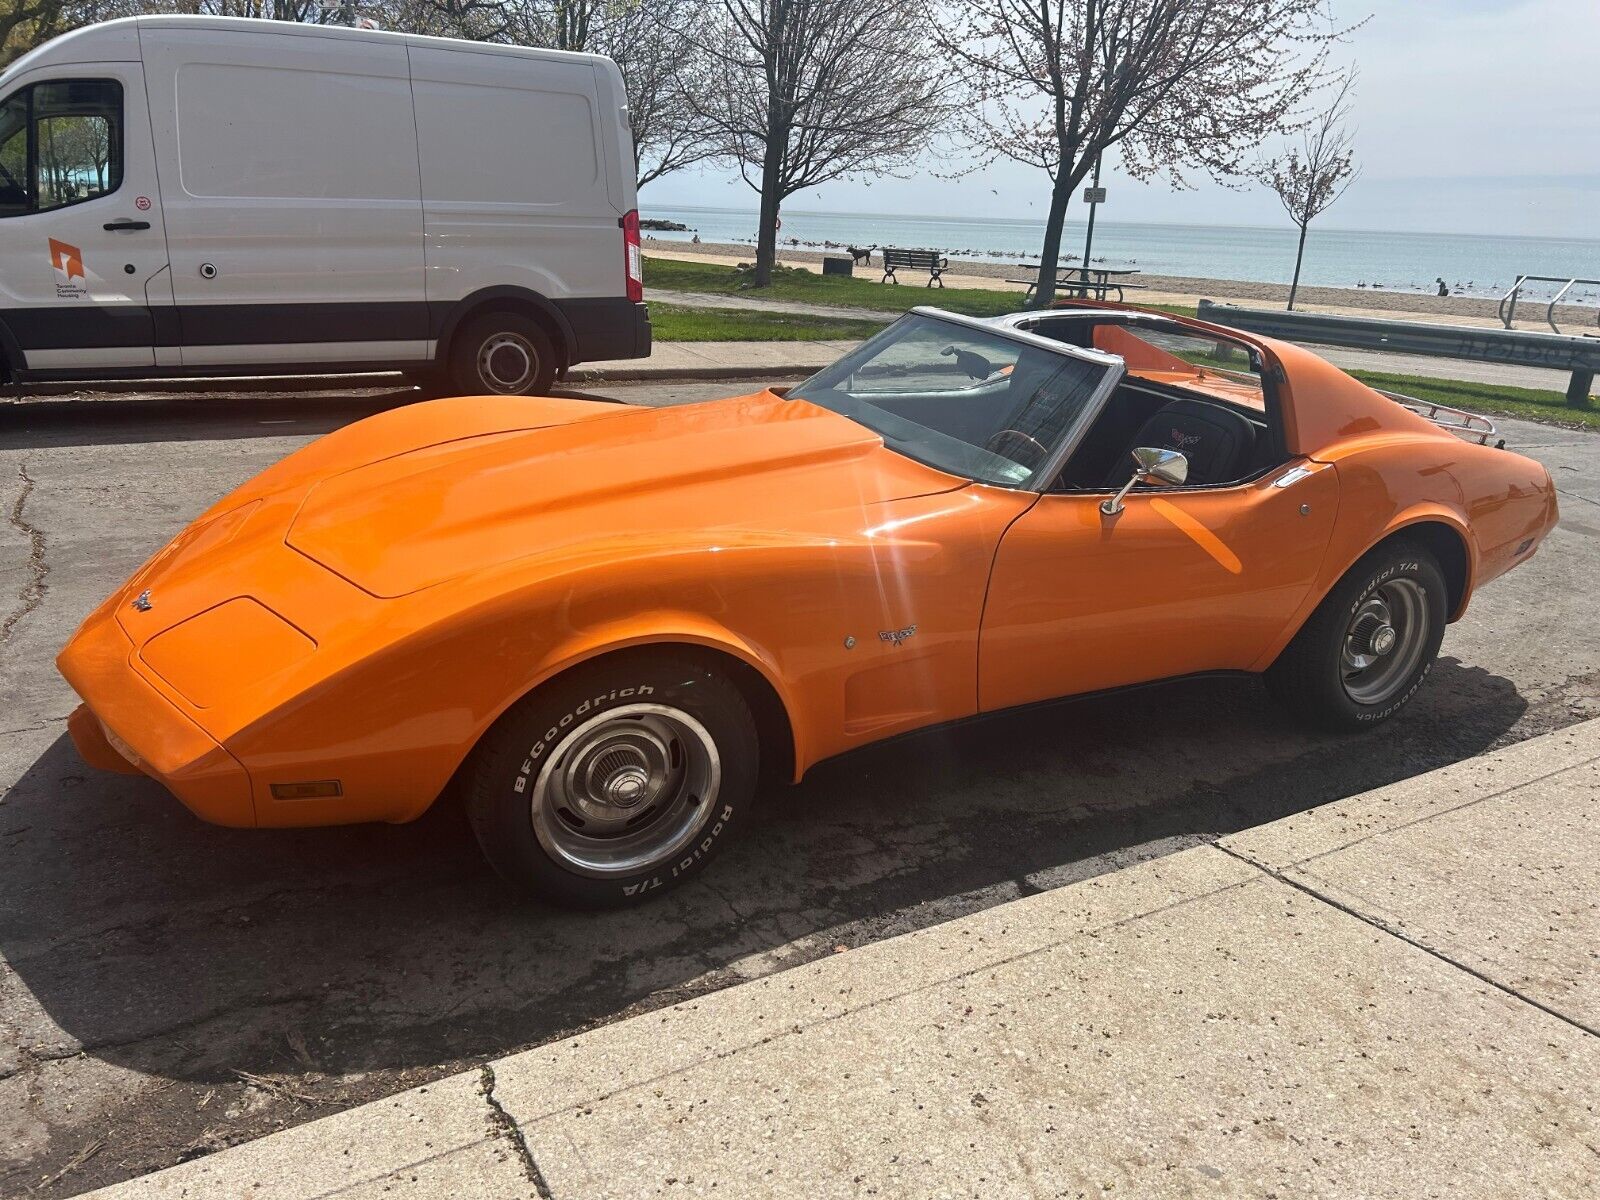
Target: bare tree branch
x,y
1174,86
801,92
1308,178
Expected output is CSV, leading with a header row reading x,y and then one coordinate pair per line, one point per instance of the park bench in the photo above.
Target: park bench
x,y
930,261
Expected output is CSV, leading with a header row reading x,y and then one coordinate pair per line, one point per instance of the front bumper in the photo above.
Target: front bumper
x,y
126,723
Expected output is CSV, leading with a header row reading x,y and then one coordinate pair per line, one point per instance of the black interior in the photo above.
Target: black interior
x,y
1224,444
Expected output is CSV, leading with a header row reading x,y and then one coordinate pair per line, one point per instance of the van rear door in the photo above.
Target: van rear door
x,y
289,162
83,253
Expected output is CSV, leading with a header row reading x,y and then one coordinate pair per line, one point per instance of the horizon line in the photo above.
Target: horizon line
x,y
819,212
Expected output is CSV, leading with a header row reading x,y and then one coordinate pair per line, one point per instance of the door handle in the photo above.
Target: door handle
x,y
124,226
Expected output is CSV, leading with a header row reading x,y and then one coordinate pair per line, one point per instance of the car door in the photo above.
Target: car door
x,y
1183,580
83,253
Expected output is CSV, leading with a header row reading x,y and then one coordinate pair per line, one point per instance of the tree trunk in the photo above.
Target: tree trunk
x,y
1050,252
767,233
1299,254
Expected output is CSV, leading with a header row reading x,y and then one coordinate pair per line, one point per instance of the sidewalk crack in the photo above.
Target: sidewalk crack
x,y
1384,927
32,593
509,1129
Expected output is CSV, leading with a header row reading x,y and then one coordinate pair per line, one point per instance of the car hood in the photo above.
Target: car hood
x,y
757,464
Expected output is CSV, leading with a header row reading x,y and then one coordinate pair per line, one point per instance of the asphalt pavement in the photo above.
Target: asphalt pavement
x,y
168,988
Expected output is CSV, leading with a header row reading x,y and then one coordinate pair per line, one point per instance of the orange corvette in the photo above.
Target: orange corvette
x,y
604,621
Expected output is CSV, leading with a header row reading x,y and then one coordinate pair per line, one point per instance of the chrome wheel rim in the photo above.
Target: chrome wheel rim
x,y
507,362
626,791
1384,641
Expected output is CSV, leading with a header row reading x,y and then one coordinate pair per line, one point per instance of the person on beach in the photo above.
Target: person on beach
x,y
1443,289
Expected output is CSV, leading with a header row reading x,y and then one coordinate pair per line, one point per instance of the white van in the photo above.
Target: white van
x,y
209,196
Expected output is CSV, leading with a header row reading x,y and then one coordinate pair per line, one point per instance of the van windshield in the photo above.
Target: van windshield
x,y
965,400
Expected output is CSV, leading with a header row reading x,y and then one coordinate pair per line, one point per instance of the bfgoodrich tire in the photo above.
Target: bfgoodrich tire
x,y
502,354
1370,644
616,782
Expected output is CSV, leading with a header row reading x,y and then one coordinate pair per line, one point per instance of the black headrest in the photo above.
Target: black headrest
x,y
1217,441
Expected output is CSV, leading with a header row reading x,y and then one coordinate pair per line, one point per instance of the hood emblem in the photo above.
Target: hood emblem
x,y
143,602
897,636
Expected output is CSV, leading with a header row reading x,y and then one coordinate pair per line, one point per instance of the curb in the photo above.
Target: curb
x,y
258,384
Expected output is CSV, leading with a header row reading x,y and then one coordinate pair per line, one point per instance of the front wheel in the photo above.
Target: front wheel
x,y
1369,645
616,782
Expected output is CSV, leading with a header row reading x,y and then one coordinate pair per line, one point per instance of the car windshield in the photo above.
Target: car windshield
x,y
965,400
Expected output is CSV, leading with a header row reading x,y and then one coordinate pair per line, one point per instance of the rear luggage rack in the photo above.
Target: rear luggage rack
x,y
1465,425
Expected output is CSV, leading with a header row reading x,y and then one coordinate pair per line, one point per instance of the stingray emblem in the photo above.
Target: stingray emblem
x,y
143,602
67,259
897,636
1181,440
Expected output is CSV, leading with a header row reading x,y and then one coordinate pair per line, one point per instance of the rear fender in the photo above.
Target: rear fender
x,y
1343,555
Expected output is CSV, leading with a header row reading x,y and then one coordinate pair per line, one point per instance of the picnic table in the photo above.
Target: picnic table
x,y
1082,281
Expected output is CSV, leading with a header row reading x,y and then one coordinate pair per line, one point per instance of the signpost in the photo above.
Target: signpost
x,y
1094,197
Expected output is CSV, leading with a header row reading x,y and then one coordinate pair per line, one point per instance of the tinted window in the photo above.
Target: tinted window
x,y
60,144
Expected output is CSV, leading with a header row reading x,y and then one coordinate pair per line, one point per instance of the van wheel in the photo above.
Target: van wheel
x,y
1365,651
615,783
502,354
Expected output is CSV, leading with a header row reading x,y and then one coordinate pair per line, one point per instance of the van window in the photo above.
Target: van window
x,y
60,144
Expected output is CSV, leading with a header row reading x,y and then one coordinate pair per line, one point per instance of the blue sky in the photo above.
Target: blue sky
x,y
1473,116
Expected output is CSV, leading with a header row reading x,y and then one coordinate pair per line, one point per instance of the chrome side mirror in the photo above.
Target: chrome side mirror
x,y
1151,464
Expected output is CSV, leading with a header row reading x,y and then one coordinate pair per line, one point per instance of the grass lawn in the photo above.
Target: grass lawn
x,y
675,323
1529,403
816,288
669,274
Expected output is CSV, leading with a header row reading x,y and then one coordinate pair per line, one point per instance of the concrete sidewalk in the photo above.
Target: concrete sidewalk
x,y
1396,994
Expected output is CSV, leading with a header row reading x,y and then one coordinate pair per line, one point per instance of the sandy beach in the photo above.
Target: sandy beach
x,y
1172,289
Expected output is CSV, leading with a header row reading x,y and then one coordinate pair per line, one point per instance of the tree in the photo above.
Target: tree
x,y
1308,178
807,91
25,24
1173,86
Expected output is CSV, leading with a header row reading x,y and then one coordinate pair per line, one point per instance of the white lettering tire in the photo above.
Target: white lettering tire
x,y
616,781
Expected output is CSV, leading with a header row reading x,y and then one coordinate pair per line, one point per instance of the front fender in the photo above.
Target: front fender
x,y
674,628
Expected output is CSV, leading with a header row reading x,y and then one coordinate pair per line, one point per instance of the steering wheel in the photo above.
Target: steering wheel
x,y
1032,449
975,365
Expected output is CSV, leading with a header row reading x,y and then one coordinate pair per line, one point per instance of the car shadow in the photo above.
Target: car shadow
x,y
99,420
158,943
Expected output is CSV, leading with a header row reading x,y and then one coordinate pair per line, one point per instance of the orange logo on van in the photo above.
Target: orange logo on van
x,y
67,259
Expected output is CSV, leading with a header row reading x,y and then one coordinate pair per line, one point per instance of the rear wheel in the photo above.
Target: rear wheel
x,y
502,354
616,782
1370,644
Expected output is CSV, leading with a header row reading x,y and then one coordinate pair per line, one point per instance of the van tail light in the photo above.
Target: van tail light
x,y
633,256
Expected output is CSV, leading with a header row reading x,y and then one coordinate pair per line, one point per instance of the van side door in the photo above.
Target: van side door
x,y
289,168
83,252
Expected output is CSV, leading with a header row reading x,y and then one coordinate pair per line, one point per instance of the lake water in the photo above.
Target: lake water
x,y
1471,264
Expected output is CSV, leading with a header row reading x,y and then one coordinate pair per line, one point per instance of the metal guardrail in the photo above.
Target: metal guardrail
x,y
1550,351
1508,303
